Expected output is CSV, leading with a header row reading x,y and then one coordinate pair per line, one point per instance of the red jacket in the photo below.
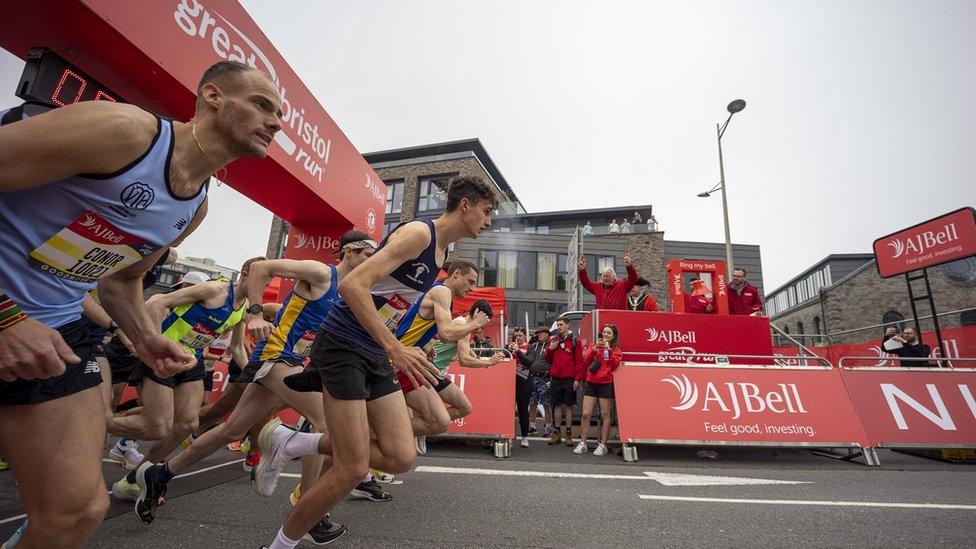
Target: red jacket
x,y
604,373
646,303
745,302
613,296
564,360
699,304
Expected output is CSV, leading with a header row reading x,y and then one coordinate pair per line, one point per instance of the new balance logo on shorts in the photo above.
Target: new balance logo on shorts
x,y
91,367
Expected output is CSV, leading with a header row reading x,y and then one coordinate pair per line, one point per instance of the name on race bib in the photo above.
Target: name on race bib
x,y
393,311
199,337
89,249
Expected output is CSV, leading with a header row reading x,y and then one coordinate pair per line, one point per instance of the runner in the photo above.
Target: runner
x,y
283,348
428,318
111,205
194,317
445,353
355,352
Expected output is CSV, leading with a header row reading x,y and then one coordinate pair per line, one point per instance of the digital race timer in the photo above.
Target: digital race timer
x,y
51,80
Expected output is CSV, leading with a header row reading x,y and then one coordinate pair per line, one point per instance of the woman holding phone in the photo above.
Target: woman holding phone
x,y
601,357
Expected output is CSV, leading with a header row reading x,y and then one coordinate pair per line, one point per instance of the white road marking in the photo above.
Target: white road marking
x,y
667,479
186,474
826,503
11,519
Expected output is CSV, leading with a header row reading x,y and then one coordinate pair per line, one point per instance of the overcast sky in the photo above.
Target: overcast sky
x,y
861,116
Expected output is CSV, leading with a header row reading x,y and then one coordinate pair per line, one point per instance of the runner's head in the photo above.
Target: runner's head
x,y
472,201
462,277
189,279
242,105
355,247
480,305
246,267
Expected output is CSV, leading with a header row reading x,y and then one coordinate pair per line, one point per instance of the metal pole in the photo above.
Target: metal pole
x,y
935,317
725,208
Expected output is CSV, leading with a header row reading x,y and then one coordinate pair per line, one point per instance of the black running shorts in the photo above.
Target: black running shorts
x,y
561,391
120,360
233,371
349,372
250,372
141,371
208,379
599,390
76,378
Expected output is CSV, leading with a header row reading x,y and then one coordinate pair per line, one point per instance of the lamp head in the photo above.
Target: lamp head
x,y
736,106
704,195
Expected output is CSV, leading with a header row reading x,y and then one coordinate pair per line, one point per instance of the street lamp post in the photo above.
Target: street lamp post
x,y
733,107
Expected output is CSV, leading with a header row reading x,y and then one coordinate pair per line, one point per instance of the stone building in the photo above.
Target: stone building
x,y
843,296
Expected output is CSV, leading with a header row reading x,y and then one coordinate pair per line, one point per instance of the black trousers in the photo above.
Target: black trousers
x,y
523,390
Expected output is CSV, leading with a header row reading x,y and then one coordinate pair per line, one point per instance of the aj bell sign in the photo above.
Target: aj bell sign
x,y
940,240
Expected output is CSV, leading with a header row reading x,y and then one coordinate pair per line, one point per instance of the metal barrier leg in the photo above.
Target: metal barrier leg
x,y
503,448
630,453
871,457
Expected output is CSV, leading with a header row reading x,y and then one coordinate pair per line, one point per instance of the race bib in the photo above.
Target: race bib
x,y
88,249
199,337
303,347
393,311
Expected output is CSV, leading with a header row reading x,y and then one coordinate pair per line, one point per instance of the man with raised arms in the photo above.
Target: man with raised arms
x,y
111,206
356,351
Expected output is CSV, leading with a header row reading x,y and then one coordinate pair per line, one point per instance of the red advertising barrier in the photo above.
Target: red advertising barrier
x,y
775,406
666,337
901,407
959,342
940,240
492,395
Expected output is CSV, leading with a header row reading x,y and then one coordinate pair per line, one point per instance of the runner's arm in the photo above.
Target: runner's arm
x,y
95,313
447,329
59,143
316,274
467,359
236,348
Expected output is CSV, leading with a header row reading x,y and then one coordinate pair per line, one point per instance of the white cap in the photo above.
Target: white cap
x,y
192,277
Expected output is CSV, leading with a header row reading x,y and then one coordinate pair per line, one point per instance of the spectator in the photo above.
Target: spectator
x,y
563,354
638,299
698,301
587,229
910,347
625,226
610,293
603,357
518,337
652,224
614,228
744,298
480,340
637,218
527,362
539,374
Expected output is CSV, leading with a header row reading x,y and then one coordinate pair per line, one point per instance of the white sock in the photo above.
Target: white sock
x,y
300,444
368,477
282,541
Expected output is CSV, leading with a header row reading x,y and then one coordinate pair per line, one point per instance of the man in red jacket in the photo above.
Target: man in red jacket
x,y
744,298
611,292
563,355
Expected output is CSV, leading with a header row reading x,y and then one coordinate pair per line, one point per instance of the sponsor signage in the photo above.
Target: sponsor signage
x,y
726,404
946,238
154,56
904,408
958,342
670,337
491,392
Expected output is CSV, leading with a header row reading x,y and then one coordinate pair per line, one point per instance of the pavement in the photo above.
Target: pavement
x,y
459,495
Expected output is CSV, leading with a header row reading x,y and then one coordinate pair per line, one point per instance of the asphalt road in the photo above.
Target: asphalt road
x,y
460,496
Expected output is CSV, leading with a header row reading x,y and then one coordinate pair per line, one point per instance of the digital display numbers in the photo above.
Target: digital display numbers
x,y
51,80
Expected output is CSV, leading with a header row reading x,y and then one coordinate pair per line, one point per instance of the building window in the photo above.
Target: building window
x,y
893,319
545,313
546,271
799,332
817,328
562,275
542,229
507,268
604,262
488,268
394,196
526,275
432,193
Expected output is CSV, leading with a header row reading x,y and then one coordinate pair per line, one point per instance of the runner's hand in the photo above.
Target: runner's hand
x,y
480,319
496,358
259,328
412,362
31,350
164,356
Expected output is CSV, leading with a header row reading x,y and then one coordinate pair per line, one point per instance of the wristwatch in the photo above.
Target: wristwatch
x,y
112,327
255,309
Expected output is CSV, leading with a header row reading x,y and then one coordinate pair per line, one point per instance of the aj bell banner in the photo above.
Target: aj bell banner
x,y
491,392
941,240
737,405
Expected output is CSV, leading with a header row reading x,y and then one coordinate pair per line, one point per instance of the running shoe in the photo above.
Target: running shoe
x,y
569,437
370,490
525,442
151,491
554,438
245,445
581,448
380,476
127,455
123,489
533,431
251,460
187,441
295,495
235,446
274,436
421,443
547,430
325,532
601,449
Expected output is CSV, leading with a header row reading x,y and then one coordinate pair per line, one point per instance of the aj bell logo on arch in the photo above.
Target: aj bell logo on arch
x,y
736,398
920,243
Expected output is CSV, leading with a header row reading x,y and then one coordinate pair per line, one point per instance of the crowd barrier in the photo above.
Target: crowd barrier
x,y
959,342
